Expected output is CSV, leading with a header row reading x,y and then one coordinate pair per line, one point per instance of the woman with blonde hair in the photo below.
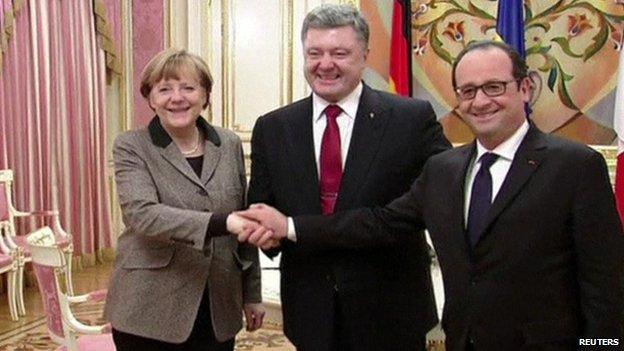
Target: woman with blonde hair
x,y
180,281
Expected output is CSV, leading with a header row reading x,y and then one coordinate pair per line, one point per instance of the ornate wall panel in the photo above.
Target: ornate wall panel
x,y
253,49
571,50
148,21
257,75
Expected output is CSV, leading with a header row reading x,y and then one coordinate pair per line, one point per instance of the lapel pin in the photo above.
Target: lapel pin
x,y
371,115
533,163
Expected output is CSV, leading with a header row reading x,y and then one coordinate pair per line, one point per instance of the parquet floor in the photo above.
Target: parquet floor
x,y
29,333
85,280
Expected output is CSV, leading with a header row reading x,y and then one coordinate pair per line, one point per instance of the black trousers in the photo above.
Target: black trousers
x,y
353,334
202,337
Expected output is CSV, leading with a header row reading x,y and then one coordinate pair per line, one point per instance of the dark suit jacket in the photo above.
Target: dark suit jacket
x,y
386,290
548,267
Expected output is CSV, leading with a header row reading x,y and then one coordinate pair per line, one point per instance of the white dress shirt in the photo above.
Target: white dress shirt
x,y
345,119
506,152
349,105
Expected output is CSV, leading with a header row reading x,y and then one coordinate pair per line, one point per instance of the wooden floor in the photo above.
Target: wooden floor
x,y
29,333
85,280
97,277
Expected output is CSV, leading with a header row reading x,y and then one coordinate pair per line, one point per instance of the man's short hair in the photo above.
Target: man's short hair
x,y
519,67
329,16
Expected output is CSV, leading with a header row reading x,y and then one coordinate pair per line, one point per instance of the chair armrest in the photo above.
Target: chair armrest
x,y
35,213
78,298
58,229
94,296
76,326
10,243
4,246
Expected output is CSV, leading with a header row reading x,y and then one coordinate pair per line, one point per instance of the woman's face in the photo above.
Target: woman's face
x,y
178,102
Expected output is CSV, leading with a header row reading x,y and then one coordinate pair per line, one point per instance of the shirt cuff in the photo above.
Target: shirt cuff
x,y
290,230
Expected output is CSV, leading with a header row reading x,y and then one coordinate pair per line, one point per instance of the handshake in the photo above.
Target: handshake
x,y
260,225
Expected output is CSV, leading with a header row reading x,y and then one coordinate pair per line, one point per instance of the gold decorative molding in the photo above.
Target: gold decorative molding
x,y
227,62
228,56
169,19
354,3
126,94
610,153
106,40
207,23
286,60
206,52
7,31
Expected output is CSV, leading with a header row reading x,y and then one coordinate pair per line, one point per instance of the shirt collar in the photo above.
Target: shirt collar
x,y
349,104
507,149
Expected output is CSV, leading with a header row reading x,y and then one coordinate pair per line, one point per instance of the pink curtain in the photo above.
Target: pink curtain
x,y
52,118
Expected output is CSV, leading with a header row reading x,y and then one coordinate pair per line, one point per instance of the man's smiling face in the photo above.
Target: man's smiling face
x,y
335,59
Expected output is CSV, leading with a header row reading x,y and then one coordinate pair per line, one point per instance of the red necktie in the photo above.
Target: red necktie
x,y
331,161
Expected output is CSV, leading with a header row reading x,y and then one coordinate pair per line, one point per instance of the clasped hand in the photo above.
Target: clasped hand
x,y
260,225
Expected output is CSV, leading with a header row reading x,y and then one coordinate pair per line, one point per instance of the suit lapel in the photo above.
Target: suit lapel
x,y
173,156
526,161
300,147
458,197
368,128
170,152
212,155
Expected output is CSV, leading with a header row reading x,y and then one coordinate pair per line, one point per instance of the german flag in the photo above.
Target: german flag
x,y
401,49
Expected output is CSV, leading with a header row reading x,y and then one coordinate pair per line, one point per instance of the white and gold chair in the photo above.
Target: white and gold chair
x,y
8,215
50,266
9,262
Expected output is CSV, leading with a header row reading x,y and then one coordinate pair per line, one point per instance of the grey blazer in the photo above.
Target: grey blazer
x,y
168,253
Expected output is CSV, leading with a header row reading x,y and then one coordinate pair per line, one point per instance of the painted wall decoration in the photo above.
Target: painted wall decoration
x,y
572,52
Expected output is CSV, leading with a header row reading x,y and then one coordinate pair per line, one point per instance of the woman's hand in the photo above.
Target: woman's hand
x,y
254,315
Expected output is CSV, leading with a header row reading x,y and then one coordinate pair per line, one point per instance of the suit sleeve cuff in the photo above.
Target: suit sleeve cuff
x,y
217,225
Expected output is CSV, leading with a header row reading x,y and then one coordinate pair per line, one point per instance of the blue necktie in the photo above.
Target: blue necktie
x,y
480,198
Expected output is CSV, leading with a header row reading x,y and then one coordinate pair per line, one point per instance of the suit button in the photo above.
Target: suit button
x,y
473,282
202,192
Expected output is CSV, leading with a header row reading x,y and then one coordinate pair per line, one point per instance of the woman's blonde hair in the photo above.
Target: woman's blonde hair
x,y
169,64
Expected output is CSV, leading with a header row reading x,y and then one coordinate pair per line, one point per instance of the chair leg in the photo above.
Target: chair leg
x,y
11,294
19,286
69,281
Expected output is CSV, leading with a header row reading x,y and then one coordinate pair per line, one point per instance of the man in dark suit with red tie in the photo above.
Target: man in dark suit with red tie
x,y
524,223
346,146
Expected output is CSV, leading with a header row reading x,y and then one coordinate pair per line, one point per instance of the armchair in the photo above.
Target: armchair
x,y
50,264
8,214
9,261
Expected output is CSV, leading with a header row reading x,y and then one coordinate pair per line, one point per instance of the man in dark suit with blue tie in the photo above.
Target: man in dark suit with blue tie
x,y
524,223
346,146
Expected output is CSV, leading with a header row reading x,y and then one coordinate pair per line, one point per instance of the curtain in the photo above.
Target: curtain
x,y
52,118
